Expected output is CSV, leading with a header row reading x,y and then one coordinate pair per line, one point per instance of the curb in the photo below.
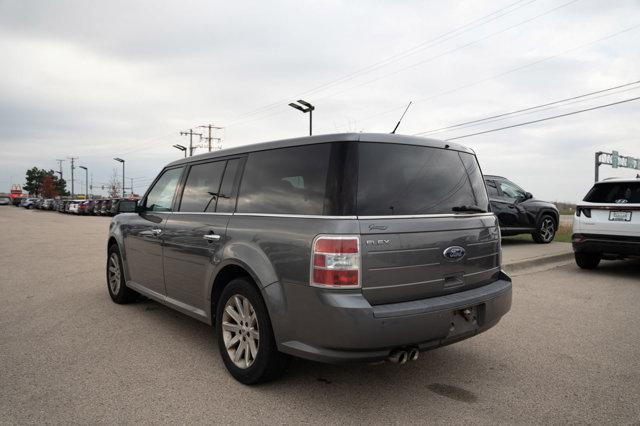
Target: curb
x,y
537,261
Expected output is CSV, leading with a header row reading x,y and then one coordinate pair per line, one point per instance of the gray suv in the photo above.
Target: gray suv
x,y
333,248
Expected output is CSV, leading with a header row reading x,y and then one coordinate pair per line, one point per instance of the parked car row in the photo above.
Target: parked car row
x,y
102,207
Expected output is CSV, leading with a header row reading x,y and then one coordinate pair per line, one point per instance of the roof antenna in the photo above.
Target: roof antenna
x,y
405,111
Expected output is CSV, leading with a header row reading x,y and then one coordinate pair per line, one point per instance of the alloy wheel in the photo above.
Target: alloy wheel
x,y
240,331
547,229
114,273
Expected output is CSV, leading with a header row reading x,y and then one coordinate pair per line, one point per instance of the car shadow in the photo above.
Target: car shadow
x,y
445,371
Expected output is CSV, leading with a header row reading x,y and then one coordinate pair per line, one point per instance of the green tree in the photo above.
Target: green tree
x,y
34,181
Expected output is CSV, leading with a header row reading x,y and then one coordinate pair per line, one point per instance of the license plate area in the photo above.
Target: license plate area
x,y
620,216
466,320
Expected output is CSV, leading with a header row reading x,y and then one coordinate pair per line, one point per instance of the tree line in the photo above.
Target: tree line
x,y
44,183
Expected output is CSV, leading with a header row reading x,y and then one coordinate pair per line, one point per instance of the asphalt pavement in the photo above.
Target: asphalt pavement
x,y
568,352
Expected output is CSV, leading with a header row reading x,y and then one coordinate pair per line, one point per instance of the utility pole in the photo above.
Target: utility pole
x,y
131,187
86,182
209,138
190,133
60,167
73,166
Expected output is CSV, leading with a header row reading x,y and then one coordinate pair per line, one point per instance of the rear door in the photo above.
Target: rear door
x,y
416,243
195,233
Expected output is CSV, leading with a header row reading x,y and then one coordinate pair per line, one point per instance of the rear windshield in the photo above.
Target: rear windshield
x,y
614,192
410,180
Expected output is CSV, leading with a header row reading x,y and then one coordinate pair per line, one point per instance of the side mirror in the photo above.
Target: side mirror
x,y
528,195
127,206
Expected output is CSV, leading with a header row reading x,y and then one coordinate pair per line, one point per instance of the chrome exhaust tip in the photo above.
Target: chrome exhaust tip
x,y
398,357
413,354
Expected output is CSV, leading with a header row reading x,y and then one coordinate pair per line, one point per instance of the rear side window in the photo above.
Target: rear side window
x,y
201,189
398,179
614,192
286,180
227,198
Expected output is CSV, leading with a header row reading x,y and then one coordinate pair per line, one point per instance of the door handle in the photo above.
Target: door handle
x,y
211,237
152,233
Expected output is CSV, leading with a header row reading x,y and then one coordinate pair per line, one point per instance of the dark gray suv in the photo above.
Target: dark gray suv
x,y
335,248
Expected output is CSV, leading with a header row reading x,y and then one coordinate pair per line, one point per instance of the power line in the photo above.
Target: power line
x,y
432,58
506,114
401,55
507,72
464,46
544,119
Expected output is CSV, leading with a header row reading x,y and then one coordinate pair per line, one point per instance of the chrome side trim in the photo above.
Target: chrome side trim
x,y
300,216
417,216
312,216
204,213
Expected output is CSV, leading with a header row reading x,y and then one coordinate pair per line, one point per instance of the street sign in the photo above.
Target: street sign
x,y
615,160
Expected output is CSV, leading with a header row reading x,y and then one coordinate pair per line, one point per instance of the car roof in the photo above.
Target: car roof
x,y
336,137
624,180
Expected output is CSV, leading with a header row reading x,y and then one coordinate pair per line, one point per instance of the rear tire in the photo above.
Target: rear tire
x,y
588,260
245,336
546,230
118,290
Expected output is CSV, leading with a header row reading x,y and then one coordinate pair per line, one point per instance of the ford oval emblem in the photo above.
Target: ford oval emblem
x,y
454,253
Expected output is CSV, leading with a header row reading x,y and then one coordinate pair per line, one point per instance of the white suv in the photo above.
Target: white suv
x,y
607,223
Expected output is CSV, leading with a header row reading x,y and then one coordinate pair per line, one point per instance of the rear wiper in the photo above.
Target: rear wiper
x,y
470,208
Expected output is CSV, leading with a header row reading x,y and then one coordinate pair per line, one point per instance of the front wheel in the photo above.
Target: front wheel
x,y
118,290
546,230
245,337
588,260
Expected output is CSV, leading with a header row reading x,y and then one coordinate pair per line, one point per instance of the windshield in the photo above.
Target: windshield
x,y
614,192
396,179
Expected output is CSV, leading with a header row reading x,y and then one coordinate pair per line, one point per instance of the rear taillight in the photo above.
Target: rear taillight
x,y
335,261
583,210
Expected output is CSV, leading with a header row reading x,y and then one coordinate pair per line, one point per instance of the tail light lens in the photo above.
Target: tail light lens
x,y
583,210
335,262
578,238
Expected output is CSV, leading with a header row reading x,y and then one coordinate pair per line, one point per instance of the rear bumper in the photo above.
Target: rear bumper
x,y
606,244
336,327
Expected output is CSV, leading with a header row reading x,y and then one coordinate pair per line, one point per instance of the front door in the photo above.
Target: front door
x,y
143,235
508,209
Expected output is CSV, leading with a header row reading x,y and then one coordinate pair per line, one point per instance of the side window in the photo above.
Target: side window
x,y
510,190
228,189
286,180
161,195
201,189
492,189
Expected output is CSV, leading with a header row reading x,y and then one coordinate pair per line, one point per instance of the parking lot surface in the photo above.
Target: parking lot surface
x,y
568,352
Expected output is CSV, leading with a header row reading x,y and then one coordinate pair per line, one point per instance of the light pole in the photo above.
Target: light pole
x,y
305,107
181,148
120,160
86,181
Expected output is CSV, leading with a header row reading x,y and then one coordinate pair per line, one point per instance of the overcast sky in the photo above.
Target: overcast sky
x,y
98,80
